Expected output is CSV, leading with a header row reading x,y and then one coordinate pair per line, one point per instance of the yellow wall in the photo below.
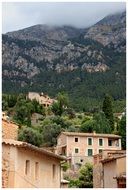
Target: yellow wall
x,y
109,169
17,175
121,165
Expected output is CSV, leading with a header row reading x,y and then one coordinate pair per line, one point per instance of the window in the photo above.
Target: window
x,y
54,171
76,150
100,150
81,160
89,141
36,170
76,139
90,152
117,143
27,167
100,142
109,142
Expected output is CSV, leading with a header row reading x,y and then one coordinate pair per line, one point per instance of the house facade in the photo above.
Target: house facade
x,y
25,165
79,148
109,169
44,100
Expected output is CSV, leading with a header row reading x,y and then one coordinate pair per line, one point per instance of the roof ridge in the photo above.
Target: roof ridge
x,y
30,146
93,133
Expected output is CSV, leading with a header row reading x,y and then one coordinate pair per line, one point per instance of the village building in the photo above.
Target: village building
x,y
43,99
79,148
109,169
25,165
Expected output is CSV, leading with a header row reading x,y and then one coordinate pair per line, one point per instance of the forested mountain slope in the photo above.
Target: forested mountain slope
x,y
86,63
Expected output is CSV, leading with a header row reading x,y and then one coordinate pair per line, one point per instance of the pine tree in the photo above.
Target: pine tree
x,y
108,111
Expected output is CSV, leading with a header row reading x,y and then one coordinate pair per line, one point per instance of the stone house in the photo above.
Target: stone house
x,y
44,100
109,170
79,148
25,165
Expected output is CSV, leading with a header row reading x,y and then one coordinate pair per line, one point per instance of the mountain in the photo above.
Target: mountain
x,y
86,63
110,31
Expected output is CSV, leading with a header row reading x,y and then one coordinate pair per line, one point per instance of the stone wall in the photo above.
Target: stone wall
x,y
5,173
14,168
97,176
9,130
5,166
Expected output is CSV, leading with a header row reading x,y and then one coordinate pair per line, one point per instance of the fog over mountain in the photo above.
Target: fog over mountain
x,y
18,15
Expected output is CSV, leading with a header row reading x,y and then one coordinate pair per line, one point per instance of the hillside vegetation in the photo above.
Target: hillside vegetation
x,y
85,63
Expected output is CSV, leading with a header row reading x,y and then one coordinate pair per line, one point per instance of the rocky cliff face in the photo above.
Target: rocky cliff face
x,y
110,31
29,52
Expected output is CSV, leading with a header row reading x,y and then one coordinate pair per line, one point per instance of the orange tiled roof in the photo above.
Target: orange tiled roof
x,y
113,158
90,134
21,144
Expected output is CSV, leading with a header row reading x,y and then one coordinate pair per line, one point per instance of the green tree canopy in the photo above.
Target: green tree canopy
x,y
101,123
30,135
62,102
50,133
86,176
88,126
108,110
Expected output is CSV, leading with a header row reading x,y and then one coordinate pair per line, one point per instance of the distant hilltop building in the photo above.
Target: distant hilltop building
x,y
44,100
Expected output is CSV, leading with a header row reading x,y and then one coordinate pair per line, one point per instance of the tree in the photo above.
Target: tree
x,y
101,123
108,111
62,102
71,113
88,126
37,107
50,134
62,99
61,121
23,113
12,99
30,135
4,105
86,176
122,131
56,108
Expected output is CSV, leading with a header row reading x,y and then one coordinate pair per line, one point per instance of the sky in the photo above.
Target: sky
x,y
19,15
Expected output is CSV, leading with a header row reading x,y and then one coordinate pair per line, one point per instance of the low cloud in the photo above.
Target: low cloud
x,y
20,15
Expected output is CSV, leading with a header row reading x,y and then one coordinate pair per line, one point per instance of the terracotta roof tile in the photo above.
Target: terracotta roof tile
x,y
9,123
21,144
90,134
113,158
